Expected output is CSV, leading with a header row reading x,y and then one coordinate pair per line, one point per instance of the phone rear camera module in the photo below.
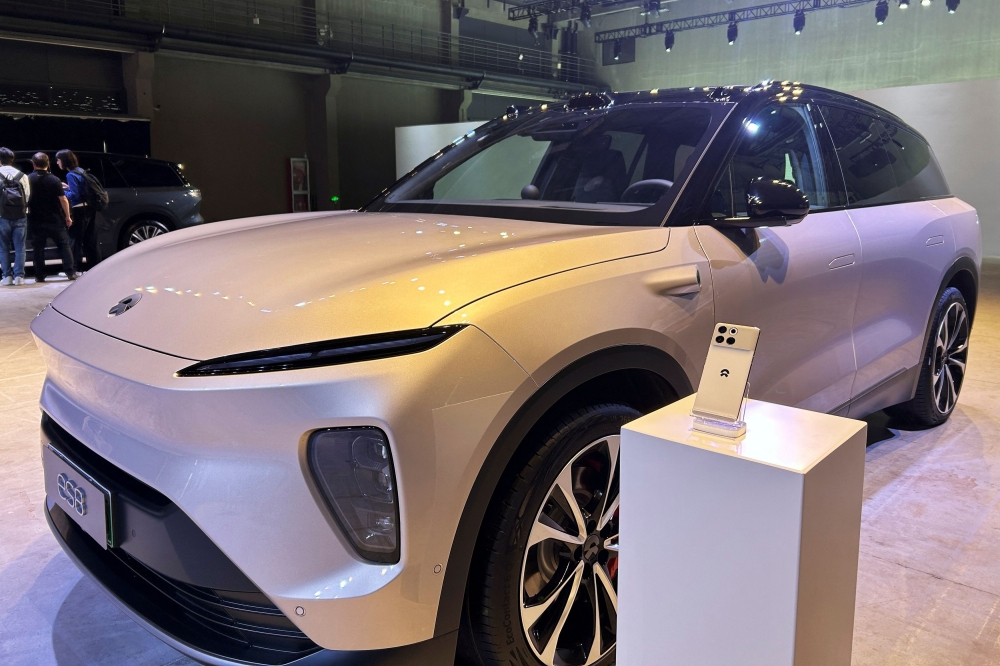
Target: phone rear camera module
x,y
722,329
730,341
732,331
719,339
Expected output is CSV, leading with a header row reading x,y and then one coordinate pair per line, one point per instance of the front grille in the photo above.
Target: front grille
x,y
240,624
247,618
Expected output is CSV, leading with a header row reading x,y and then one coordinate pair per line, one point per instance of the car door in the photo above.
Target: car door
x,y
907,242
798,283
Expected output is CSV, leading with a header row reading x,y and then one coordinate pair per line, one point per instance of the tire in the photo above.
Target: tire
x,y
567,576
942,371
142,230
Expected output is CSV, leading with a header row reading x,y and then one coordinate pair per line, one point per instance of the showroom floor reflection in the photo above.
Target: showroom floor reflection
x,y
928,588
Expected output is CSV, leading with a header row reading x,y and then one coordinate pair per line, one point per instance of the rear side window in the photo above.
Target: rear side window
x,y
860,146
111,176
144,173
918,175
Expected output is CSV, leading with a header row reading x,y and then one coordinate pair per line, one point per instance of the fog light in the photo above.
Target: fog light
x,y
353,468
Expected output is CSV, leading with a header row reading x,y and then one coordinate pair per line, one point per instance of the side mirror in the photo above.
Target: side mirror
x,y
776,201
770,203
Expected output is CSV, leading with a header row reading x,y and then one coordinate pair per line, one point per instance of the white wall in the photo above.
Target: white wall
x,y
962,122
416,143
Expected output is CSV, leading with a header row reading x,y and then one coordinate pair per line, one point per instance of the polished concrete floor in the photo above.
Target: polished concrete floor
x,y
929,581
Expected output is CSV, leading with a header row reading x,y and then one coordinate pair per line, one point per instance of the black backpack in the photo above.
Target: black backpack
x,y
97,196
13,205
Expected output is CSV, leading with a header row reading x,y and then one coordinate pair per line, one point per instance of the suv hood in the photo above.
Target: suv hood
x,y
261,283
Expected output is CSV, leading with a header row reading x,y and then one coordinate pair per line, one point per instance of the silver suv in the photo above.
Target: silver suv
x,y
401,440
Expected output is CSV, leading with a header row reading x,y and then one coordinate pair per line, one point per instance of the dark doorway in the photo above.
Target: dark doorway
x,y
27,132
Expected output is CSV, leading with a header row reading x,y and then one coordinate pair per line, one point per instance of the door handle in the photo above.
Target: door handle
x,y
675,281
841,262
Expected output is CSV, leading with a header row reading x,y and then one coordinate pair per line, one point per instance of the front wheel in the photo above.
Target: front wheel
x,y
548,589
942,372
142,230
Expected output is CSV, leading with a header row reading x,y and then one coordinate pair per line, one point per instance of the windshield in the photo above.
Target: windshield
x,y
608,166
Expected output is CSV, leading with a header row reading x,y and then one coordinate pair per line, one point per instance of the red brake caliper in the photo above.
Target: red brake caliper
x,y
613,562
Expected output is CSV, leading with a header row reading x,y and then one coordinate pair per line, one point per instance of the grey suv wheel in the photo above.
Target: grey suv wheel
x,y
141,230
548,592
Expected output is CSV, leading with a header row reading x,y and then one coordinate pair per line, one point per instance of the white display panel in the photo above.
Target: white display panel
x,y
416,143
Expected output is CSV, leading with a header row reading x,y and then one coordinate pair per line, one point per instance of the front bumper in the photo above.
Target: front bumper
x,y
192,218
228,452
206,622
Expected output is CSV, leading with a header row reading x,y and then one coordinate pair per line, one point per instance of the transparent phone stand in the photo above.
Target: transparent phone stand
x,y
722,427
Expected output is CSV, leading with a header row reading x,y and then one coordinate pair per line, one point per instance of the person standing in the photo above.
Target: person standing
x,y
14,192
48,217
84,230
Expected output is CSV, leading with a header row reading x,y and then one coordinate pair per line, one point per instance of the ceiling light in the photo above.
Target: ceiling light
x,y
585,15
732,33
925,3
668,41
618,49
881,11
904,4
800,22
952,5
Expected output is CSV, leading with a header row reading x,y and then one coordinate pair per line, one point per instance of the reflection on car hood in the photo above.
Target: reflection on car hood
x,y
268,282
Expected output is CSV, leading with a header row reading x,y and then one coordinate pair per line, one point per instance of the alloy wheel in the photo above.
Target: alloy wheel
x,y
144,231
951,350
569,578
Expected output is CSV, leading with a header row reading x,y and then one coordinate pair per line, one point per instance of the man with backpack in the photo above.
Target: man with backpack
x,y
84,192
14,192
48,217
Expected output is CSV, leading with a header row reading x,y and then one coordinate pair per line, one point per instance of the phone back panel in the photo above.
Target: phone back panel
x,y
727,371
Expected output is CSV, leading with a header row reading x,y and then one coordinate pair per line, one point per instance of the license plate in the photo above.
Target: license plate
x,y
77,494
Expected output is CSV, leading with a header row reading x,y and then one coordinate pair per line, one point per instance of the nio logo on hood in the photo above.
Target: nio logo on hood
x,y
124,305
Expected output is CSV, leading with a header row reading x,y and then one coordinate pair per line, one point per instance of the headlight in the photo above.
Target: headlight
x,y
331,352
353,469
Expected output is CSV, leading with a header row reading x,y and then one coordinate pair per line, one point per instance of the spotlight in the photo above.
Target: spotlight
x,y
618,49
585,15
668,41
881,11
732,33
651,8
800,22
904,4
952,5
925,3
533,27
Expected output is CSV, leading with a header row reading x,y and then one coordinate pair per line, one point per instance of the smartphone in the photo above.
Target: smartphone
x,y
727,371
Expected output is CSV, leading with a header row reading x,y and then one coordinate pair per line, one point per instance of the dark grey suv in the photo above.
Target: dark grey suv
x,y
147,197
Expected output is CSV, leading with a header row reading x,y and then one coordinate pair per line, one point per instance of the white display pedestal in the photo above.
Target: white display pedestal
x,y
739,551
